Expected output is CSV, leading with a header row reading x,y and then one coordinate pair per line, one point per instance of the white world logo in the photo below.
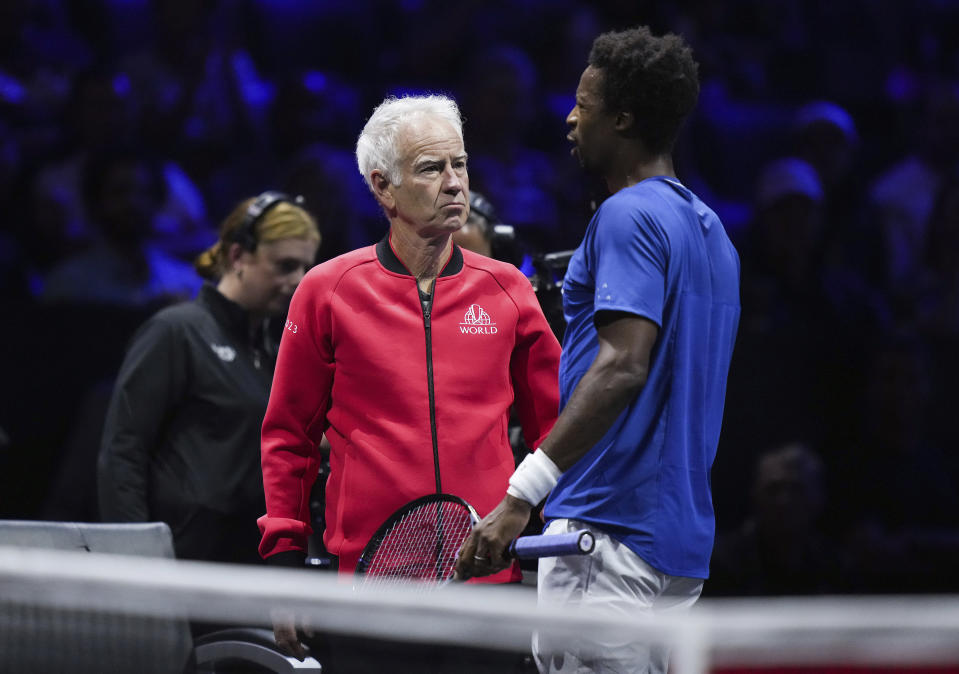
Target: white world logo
x,y
477,322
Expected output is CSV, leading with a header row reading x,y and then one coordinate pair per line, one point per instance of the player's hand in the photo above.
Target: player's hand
x,y
486,550
284,631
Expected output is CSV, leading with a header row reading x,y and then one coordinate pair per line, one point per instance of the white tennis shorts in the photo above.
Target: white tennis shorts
x,y
612,577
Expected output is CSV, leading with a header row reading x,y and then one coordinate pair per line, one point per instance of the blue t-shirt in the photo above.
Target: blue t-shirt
x,y
657,251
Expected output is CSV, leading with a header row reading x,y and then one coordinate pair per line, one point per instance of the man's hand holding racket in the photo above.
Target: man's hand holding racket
x,y
486,550
424,541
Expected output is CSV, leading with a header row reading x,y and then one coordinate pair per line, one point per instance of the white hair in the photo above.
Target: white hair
x,y
377,148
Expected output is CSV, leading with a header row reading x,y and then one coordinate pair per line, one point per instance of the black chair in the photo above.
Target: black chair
x,y
42,639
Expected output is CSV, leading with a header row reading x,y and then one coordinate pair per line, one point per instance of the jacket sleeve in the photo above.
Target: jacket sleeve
x,y
534,366
151,382
296,418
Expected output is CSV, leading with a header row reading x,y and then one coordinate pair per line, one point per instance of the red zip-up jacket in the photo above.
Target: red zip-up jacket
x,y
413,399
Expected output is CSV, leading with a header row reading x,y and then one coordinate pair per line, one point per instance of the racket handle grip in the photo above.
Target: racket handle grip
x,y
553,545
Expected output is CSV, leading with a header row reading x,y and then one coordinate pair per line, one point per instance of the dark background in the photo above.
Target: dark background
x,y
847,348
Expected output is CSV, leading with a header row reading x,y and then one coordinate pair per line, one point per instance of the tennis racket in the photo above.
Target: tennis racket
x,y
421,541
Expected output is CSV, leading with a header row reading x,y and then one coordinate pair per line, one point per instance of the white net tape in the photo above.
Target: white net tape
x,y
835,630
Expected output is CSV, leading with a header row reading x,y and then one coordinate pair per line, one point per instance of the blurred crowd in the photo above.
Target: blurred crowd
x,y
826,137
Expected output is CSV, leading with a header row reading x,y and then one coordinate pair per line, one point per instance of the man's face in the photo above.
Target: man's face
x,y
591,126
272,272
432,198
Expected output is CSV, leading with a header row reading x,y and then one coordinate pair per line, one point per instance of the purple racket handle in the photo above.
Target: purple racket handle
x,y
553,545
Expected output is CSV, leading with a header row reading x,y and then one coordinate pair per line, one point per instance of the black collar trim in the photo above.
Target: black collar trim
x,y
387,257
227,311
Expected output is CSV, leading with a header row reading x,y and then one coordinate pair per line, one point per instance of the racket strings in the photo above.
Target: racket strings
x,y
422,545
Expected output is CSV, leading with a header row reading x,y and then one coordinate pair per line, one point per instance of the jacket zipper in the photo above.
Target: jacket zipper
x,y
427,326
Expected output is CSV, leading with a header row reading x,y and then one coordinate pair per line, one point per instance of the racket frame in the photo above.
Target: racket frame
x,y
376,539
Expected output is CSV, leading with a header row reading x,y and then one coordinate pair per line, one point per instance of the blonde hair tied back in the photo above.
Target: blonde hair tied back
x,y
283,221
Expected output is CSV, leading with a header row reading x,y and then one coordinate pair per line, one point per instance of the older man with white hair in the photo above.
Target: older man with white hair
x,y
407,355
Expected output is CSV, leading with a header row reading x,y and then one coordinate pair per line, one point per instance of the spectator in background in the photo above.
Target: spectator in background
x,y
500,103
198,89
313,107
486,234
791,278
182,433
787,227
125,268
780,549
288,35
902,198
781,285
40,51
101,115
311,122
476,234
825,135
795,302
325,175
97,115
783,311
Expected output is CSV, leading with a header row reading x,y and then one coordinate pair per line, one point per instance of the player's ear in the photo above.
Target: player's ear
x,y
624,121
233,254
381,189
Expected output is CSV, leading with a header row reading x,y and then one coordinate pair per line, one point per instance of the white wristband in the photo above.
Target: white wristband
x,y
534,478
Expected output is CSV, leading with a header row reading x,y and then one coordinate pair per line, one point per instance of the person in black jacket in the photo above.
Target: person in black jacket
x,y
181,442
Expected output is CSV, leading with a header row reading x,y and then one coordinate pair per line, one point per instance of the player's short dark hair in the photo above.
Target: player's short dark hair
x,y
655,78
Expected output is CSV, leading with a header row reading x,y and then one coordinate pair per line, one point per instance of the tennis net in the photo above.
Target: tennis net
x,y
75,611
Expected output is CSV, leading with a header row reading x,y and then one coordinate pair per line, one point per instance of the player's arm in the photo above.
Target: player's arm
x,y
615,377
291,437
293,425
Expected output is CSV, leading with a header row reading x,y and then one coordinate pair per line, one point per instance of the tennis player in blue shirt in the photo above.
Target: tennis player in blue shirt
x,y
651,300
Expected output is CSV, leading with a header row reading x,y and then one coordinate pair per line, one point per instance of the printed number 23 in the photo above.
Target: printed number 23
x,y
291,326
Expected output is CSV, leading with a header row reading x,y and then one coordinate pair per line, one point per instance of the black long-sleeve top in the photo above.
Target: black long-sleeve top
x,y
181,441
